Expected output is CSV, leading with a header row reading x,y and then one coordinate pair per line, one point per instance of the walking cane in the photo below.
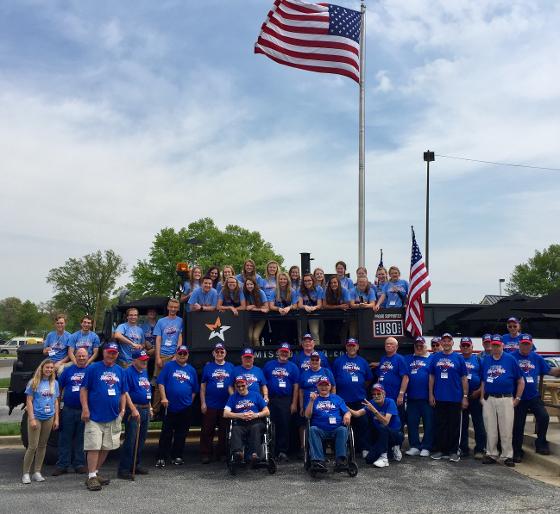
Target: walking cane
x,y
460,431
136,450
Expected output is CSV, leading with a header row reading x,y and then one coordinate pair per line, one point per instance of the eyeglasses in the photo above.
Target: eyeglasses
x,y
241,386
219,351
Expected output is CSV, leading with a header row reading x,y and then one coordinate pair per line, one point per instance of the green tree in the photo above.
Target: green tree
x,y
202,243
84,285
540,275
19,318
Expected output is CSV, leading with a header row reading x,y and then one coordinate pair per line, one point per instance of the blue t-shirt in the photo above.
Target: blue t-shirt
x,y
251,402
43,399
531,366
70,381
390,372
217,377
448,372
132,332
474,367
308,382
347,283
180,383
250,299
312,296
149,335
351,375
395,293
511,344
268,285
89,341
419,376
345,296
254,376
241,279
139,387
199,296
301,360
228,302
362,297
328,412
379,291
168,329
389,407
58,345
281,377
500,376
285,302
105,385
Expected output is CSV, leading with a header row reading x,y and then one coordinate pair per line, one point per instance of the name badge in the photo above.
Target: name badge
x,y
490,380
168,342
392,302
219,385
282,383
75,389
111,392
149,396
413,371
444,374
469,376
47,408
381,378
332,420
52,353
529,380
355,378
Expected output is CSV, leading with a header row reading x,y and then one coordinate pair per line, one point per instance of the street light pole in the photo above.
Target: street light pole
x,y
428,158
500,282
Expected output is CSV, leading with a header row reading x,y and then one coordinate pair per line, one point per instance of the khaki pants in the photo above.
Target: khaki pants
x,y
498,413
37,444
156,401
255,330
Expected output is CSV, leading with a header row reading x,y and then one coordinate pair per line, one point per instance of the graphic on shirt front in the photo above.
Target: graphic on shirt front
x,y
280,373
144,383
526,366
351,367
244,405
325,405
415,365
220,374
445,364
386,367
110,378
46,393
495,371
251,379
77,378
181,376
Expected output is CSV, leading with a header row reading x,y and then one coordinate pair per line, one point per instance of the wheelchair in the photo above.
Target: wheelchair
x,y
351,467
265,453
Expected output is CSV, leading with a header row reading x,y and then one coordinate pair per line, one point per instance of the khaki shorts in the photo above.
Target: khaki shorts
x,y
102,436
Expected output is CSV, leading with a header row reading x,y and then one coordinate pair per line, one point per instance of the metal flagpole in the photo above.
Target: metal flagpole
x,y
362,146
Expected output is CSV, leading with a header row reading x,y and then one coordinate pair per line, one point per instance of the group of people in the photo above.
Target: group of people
x,y
441,388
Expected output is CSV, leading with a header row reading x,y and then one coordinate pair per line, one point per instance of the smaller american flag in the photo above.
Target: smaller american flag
x,y
419,283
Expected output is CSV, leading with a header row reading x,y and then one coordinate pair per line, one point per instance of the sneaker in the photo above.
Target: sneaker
x,y
82,470
382,462
25,479
488,460
318,465
437,455
103,480
397,453
142,471
509,463
177,461
454,457
125,475
413,452
160,463
59,471
425,453
282,457
478,455
445,457
543,451
93,484
37,477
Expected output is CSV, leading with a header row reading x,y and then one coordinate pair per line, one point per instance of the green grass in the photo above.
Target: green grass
x,y
4,382
9,428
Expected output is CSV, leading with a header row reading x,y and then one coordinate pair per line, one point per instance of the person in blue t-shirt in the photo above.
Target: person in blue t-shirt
x,y
192,284
129,336
337,297
247,410
268,282
137,416
84,338
329,418
385,426
204,298
532,367
255,301
417,400
103,399
178,385
285,300
249,271
310,300
353,377
282,377
71,434
448,393
148,328
256,380
512,339
231,297
500,377
380,280
345,281
395,291
474,368
55,345
217,378
301,358
41,395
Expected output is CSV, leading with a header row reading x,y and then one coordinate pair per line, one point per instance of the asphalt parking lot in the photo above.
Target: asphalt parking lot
x,y
413,485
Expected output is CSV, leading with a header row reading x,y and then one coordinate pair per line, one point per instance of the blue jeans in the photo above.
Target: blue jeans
x,y
475,410
318,435
130,428
383,439
71,439
417,409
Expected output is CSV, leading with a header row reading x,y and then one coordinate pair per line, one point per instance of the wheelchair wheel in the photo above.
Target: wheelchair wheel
x,y
232,468
271,466
352,469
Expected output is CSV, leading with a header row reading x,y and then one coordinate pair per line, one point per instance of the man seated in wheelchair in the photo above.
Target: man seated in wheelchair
x,y
385,427
248,411
329,418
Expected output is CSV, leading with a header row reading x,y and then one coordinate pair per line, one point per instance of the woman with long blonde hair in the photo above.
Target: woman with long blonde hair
x,y
42,394
268,284
227,272
284,300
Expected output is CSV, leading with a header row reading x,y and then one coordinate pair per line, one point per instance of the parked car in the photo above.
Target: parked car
x,y
10,347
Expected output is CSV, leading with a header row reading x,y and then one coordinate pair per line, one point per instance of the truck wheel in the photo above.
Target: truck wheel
x,y
51,455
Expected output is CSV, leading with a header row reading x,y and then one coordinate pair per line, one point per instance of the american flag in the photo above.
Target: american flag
x,y
419,283
314,37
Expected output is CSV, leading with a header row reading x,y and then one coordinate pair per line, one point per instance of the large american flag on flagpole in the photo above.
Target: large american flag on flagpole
x,y
315,37
419,283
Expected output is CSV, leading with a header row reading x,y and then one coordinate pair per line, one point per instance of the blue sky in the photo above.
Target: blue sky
x,y
120,118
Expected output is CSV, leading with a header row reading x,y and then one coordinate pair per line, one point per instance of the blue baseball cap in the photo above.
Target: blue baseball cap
x,y
240,378
526,338
315,354
111,347
512,318
141,355
496,339
486,338
466,341
307,336
248,352
323,380
182,350
420,339
378,387
351,342
436,339
447,335
284,347
219,346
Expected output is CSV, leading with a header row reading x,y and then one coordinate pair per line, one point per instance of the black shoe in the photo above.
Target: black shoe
x,y
318,465
488,460
160,463
517,458
282,457
177,461
125,475
340,464
509,463
59,471
142,471
543,451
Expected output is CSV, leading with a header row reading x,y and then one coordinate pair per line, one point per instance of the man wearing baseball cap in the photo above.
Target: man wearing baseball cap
x,y
217,378
178,385
103,398
436,344
256,380
137,415
301,358
487,345
532,367
500,376
474,368
282,377
512,338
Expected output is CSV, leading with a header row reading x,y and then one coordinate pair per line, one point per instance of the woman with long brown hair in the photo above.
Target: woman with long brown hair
x,y
336,297
231,297
255,301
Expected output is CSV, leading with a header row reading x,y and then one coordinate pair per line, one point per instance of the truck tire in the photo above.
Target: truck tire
x,y
51,456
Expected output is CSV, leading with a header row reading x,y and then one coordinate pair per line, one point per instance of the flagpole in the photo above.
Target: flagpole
x,y
362,146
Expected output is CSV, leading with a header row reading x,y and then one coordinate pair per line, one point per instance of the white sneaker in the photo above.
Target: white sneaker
x,y
397,453
37,477
26,479
382,462
412,452
364,454
425,453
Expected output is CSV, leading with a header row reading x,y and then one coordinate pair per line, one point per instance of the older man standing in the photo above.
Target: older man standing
x,y
500,376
